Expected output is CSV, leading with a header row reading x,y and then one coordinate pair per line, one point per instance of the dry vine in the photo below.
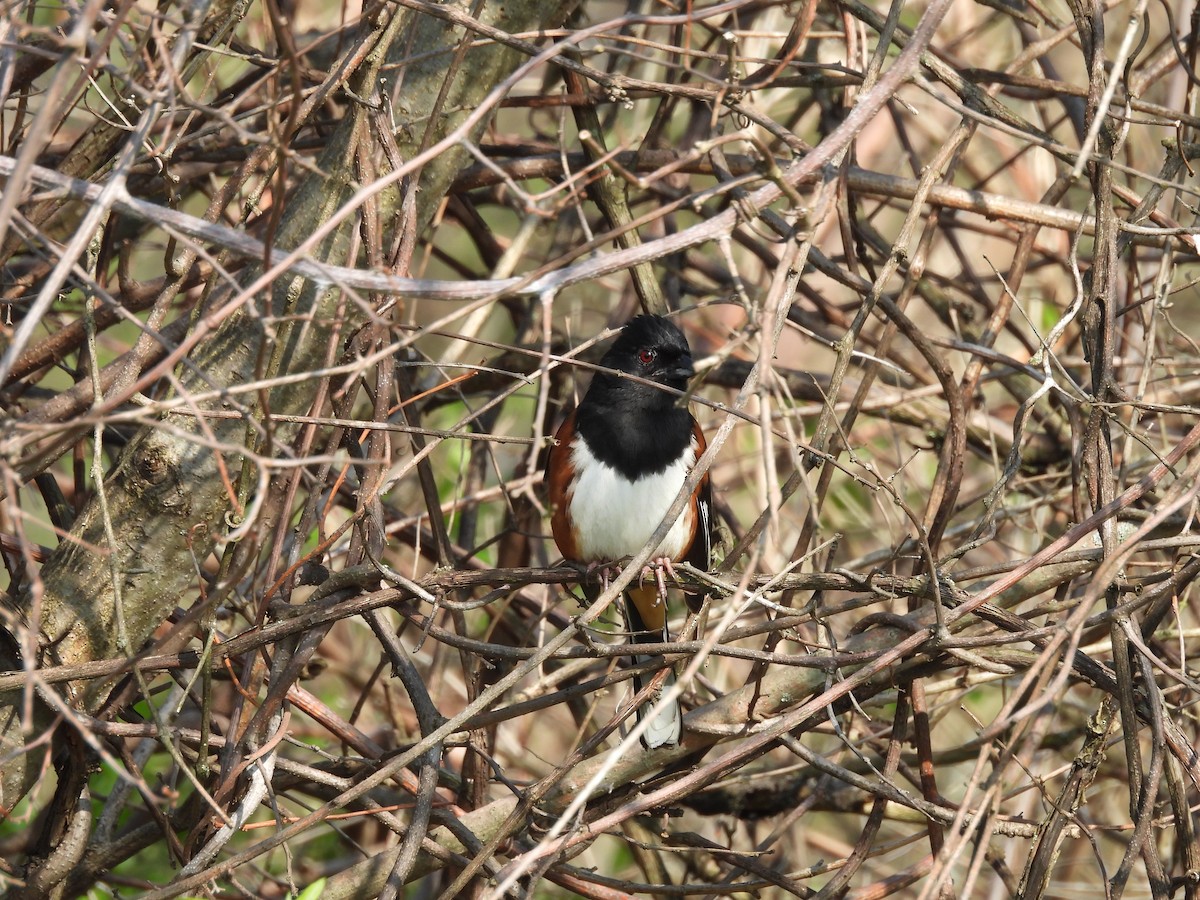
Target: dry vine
x,y
311,287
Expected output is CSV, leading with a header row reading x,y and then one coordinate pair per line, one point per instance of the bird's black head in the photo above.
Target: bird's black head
x,y
654,348
636,427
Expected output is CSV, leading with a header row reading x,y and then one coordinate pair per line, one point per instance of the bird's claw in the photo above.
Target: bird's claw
x,y
657,567
603,571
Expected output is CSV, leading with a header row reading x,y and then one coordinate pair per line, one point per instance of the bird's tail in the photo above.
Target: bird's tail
x,y
646,619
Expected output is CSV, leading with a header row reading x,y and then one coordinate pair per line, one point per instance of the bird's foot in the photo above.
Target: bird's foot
x,y
656,568
597,571
606,572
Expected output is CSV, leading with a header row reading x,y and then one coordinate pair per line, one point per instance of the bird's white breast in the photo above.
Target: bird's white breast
x,y
616,517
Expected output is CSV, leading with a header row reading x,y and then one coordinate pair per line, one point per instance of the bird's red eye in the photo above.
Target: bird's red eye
x,y
646,356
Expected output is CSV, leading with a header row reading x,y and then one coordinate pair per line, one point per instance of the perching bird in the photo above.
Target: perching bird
x,y
616,466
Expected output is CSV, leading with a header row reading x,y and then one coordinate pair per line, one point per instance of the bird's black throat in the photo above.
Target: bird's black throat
x,y
634,428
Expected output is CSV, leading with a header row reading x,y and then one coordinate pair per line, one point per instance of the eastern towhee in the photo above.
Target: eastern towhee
x,y
616,466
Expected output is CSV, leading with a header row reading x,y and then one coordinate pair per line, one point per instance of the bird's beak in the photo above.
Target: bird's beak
x,y
682,370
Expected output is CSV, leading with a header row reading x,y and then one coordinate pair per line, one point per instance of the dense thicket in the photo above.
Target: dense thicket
x,y
294,296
